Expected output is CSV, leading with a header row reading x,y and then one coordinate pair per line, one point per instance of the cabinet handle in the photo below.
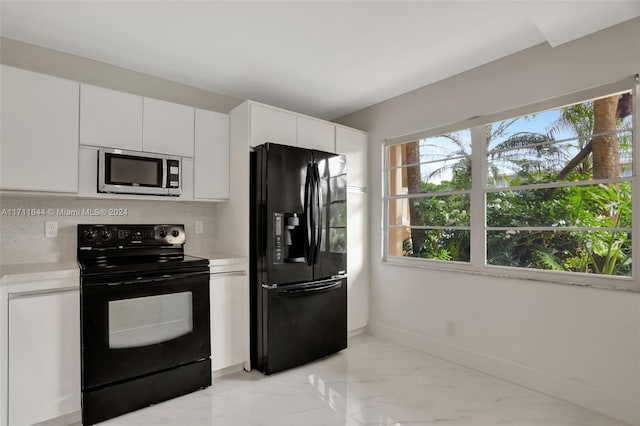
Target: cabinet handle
x,y
33,293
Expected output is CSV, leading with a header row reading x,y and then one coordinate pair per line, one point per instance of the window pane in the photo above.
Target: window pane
x,y
448,210
552,162
577,121
440,163
593,252
435,244
607,206
583,141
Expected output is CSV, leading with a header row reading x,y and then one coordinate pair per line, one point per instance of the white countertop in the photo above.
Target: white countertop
x,y
223,261
36,276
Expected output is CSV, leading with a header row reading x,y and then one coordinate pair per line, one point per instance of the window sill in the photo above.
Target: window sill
x,y
595,281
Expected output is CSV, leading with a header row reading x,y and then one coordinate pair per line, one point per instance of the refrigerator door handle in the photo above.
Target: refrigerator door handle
x,y
319,204
289,287
308,197
310,291
309,288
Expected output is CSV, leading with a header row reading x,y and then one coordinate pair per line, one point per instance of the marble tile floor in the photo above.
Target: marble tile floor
x,y
373,382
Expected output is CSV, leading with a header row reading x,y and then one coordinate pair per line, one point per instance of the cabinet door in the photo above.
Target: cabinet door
x,y
44,356
353,144
39,150
211,155
110,119
316,134
271,125
229,327
187,179
167,128
357,265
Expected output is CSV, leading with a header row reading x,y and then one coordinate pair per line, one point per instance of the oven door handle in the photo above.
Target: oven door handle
x,y
159,279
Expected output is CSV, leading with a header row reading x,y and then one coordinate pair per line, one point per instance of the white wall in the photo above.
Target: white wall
x,y
22,237
580,344
64,65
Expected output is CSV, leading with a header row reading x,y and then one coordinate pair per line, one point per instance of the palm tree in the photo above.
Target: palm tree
x,y
600,116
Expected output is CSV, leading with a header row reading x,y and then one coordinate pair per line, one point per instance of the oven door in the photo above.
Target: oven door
x,y
138,325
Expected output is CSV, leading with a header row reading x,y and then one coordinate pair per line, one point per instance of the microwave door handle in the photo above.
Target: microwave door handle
x,y
165,175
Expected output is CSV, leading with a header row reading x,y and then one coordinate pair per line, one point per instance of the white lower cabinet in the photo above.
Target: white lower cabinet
x,y
229,319
44,355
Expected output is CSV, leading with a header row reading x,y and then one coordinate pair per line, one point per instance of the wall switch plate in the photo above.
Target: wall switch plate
x,y
199,227
51,229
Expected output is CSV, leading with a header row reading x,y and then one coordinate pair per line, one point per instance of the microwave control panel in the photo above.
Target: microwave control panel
x,y
173,173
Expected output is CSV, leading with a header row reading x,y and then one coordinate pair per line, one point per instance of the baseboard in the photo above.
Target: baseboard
x,y
71,419
227,370
577,393
356,332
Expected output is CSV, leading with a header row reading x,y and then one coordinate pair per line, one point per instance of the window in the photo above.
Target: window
x,y
549,190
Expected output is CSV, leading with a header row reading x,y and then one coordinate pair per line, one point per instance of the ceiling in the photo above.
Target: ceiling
x,y
322,58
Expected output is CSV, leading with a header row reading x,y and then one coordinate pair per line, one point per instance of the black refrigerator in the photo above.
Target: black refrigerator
x,y
298,261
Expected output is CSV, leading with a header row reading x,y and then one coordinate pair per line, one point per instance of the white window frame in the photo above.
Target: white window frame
x,y
477,263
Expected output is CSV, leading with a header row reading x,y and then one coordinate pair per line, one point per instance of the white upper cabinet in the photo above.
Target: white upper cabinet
x,y
211,156
39,150
353,144
271,125
316,134
110,119
168,128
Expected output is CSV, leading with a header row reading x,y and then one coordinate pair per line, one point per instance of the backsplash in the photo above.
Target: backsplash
x,y
22,224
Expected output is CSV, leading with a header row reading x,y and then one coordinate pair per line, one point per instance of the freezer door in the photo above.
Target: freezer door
x,y
331,257
302,323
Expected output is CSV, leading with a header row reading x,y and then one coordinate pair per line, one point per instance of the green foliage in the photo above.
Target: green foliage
x,y
594,206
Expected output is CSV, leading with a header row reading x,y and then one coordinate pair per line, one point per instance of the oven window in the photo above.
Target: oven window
x,y
144,321
134,170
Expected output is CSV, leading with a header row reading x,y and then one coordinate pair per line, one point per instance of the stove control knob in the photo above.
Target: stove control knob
x,y
90,235
163,233
106,234
175,233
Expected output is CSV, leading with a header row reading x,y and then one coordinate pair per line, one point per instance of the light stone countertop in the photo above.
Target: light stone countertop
x,y
220,262
19,277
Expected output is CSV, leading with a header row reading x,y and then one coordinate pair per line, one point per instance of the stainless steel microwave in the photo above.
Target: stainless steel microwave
x,y
131,172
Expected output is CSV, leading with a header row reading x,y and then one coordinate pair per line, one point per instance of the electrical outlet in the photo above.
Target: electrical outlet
x,y
199,227
451,328
51,229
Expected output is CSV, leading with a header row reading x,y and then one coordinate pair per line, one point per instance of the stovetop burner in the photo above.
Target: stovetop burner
x,y
109,249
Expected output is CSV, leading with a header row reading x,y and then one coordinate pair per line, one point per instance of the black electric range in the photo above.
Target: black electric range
x,y
144,318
